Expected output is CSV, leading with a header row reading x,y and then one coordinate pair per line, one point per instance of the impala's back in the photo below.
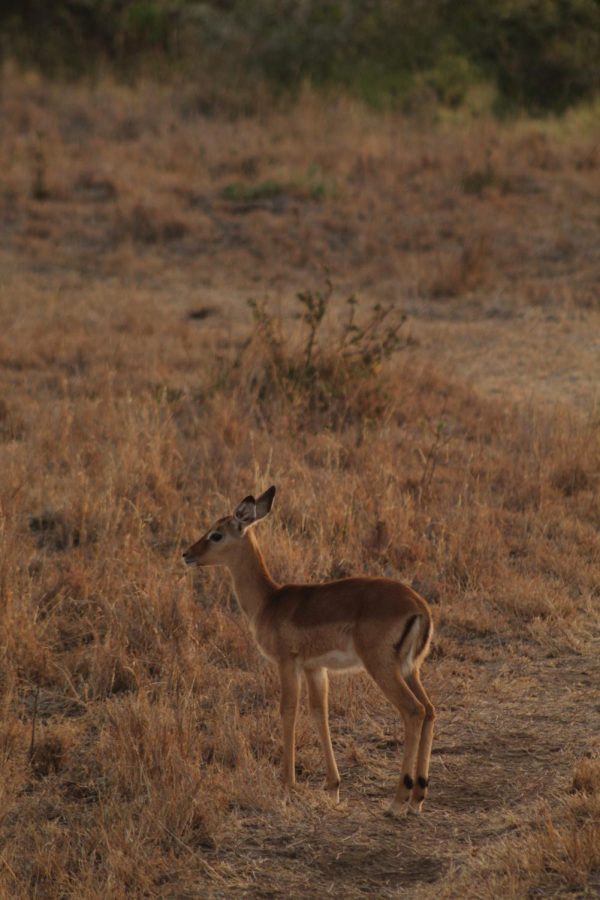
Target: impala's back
x,y
337,623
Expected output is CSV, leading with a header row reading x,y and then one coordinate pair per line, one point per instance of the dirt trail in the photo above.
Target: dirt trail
x,y
537,359
508,732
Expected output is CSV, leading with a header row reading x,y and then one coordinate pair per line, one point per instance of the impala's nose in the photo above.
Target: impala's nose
x,y
188,558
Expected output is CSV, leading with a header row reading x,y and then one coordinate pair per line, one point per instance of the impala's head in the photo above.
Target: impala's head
x,y
218,546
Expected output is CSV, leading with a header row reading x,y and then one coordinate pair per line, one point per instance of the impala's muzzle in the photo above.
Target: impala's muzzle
x,y
189,558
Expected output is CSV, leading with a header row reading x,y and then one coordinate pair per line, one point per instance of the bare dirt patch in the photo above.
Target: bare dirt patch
x,y
534,359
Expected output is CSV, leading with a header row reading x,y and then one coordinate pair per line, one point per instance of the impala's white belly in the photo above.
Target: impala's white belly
x,y
340,659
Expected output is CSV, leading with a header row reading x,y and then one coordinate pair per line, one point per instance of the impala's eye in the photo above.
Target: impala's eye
x,y
216,536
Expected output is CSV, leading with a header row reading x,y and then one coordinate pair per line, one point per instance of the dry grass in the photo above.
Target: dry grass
x,y
139,401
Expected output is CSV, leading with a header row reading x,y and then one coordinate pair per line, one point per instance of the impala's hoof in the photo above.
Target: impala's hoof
x,y
333,791
396,810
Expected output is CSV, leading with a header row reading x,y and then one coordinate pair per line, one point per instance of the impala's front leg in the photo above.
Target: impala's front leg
x,y
290,692
318,700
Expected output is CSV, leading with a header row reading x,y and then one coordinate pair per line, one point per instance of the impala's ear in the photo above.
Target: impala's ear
x,y
250,510
246,511
264,503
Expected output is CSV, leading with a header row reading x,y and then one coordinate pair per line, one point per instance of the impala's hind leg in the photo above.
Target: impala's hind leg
x,y
398,692
422,781
318,700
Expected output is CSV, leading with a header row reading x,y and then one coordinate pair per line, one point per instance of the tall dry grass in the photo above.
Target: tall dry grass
x,y
144,186
139,731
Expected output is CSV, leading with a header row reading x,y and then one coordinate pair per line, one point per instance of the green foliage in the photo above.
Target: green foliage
x,y
72,37
542,54
310,187
240,192
538,54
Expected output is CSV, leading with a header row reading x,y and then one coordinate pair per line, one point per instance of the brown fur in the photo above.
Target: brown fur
x,y
375,623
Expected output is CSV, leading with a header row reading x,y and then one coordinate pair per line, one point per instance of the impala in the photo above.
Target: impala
x,y
375,624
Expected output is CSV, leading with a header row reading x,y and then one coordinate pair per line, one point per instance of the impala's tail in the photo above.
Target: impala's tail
x,y
413,644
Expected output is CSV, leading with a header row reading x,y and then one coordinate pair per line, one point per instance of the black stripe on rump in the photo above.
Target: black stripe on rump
x,y
409,624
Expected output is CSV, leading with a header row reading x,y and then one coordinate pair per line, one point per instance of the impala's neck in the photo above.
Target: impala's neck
x,y
252,582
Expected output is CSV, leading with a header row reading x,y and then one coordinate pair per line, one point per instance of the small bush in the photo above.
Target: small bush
x,y
326,376
572,478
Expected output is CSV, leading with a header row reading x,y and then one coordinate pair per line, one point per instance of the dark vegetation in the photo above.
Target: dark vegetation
x,y
539,56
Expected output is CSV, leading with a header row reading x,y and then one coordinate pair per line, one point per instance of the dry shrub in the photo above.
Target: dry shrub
x,y
570,479
586,778
322,379
11,424
460,273
47,755
148,225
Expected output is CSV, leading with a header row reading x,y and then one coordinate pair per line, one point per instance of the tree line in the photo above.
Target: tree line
x,y
537,55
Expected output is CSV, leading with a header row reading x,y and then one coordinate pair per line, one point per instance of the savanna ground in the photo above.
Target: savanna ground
x,y
457,450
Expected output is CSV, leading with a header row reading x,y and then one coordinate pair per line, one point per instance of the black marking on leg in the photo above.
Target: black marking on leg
x,y
408,782
423,782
